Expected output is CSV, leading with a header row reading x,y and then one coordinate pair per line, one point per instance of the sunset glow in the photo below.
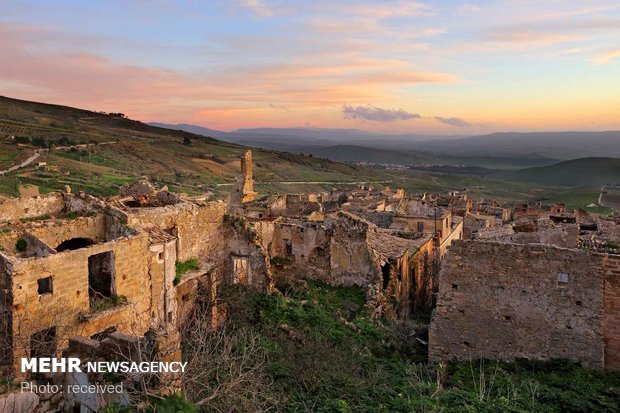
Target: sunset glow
x,y
445,67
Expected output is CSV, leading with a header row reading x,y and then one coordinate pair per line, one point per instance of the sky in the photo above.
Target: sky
x,y
434,67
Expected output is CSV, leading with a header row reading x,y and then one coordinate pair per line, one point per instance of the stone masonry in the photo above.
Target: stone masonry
x,y
506,301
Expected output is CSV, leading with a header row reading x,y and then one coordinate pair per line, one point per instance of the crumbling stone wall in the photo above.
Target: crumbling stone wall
x,y
611,311
304,245
197,226
505,301
242,245
54,233
6,320
68,307
351,259
14,209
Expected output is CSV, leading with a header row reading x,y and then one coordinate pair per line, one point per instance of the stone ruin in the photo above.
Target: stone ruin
x,y
75,268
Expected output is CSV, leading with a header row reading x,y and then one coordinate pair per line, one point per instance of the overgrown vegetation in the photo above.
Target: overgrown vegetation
x,y
37,218
317,349
184,266
21,245
280,261
98,304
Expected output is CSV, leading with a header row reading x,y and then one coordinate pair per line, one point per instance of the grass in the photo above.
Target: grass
x,y
37,218
98,304
9,185
326,354
183,267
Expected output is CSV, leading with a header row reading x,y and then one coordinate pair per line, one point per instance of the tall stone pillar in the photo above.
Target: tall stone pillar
x,y
248,180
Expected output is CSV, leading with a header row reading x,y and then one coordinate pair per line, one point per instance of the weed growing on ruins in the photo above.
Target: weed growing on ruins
x,y
184,266
37,218
612,245
21,245
98,304
280,261
75,214
317,348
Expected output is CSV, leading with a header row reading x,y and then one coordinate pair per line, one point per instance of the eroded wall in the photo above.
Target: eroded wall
x,y
351,259
198,227
611,311
506,301
67,307
305,245
14,209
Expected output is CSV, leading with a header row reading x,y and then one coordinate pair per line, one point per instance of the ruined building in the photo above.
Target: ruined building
x,y
535,289
77,266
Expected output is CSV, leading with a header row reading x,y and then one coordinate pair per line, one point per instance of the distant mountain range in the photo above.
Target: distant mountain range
x,y
509,150
584,172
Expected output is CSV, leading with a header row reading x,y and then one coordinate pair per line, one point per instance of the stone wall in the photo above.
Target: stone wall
x,y
507,301
14,209
6,324
198,226
611,312
242,245
456,233
67,307
53,233
305,244
351,259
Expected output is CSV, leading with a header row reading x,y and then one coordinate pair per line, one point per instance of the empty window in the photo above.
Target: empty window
x,y
420,226
44,285
101,275
241,271
562,278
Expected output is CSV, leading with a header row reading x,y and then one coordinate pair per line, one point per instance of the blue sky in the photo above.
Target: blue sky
x,y
395,66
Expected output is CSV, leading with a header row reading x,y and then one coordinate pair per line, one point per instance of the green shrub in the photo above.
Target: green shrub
x,y
21,245
184,266
175,403
280,261
612,244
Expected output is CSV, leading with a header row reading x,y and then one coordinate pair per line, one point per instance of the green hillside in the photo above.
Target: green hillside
x,y
583,172
98,152
115,150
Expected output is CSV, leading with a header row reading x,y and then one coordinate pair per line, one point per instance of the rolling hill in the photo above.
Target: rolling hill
x,y
583,172
508,145
97,152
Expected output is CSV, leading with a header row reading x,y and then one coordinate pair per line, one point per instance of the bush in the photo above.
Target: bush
x,y
21,245
184,266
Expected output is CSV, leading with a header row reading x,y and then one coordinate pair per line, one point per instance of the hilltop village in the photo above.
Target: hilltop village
x,y
90,276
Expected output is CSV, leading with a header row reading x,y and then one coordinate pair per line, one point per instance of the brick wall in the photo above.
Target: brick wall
x,y
504,301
